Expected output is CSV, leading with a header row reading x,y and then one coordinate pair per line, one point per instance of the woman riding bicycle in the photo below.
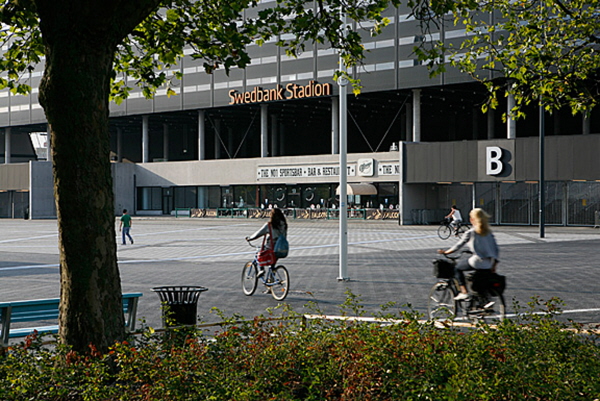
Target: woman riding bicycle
x,y
278,226
481,242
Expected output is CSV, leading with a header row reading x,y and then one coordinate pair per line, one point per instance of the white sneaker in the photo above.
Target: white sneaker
x,y
461,297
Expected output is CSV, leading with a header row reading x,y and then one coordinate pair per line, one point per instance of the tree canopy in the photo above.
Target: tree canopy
x,y
544,51
218,32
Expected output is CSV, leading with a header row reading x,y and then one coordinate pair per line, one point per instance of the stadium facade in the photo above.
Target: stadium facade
x,y
268,135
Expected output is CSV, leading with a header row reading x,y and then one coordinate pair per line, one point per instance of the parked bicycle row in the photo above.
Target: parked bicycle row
x,y
290,213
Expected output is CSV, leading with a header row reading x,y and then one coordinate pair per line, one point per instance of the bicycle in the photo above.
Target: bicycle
x,y
445,229
485,302
275,278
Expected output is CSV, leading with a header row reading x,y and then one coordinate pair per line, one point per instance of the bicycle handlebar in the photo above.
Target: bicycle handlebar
x,y
456,257
250,243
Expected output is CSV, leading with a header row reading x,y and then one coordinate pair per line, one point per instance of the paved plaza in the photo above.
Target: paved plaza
x,y
386,263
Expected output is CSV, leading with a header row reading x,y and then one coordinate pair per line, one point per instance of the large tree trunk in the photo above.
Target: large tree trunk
x,y
74,94
80,39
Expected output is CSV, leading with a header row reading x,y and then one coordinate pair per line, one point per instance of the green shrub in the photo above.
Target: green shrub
x,y
531,357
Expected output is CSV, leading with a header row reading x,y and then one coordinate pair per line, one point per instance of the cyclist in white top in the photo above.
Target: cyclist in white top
x,y
456,218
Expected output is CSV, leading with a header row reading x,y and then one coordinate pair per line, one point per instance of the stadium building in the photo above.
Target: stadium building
x,y
268,135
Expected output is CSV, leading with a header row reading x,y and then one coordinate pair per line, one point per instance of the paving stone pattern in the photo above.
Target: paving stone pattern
x,y
386,263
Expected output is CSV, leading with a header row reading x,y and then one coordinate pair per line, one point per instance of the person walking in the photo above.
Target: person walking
x,y
278,226
125,226
482,244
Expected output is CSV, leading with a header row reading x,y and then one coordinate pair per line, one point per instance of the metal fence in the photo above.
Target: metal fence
x,y
292,213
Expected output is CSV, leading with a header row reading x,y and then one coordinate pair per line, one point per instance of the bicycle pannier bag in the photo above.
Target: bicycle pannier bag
x,y
485,280
266,257
497,283
281,247
443,268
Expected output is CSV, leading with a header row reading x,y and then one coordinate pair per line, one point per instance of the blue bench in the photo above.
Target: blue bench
x,y
47,310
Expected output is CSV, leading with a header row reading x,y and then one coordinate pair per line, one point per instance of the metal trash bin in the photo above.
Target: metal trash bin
x,y
182,302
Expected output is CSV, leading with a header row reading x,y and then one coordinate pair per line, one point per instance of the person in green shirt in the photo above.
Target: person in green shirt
x,y
125,226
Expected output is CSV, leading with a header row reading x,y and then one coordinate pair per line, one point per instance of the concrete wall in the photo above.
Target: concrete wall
x,y
123,186
14,177
412,197
244,171
41,193
566,158
41,199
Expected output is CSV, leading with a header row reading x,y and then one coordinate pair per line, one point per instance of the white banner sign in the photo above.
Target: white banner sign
x,y
303,171
388,169
320,171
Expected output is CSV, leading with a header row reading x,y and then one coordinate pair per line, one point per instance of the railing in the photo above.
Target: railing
x,y
234,213
294,213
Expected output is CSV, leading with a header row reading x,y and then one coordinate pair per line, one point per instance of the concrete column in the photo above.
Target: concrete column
x,y
409,122
511,124
7,143
119,145
48,143
335,126
264,130
490,124
274,135
145,140
217,138
201,135
166,141
585,122
416,128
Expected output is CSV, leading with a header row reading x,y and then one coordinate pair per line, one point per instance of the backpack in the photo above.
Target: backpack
x,y
281,247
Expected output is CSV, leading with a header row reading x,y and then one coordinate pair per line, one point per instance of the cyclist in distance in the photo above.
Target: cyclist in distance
x,y
278,227
481,242
456,218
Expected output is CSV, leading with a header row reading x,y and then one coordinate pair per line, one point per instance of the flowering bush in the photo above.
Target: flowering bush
x,y
533,356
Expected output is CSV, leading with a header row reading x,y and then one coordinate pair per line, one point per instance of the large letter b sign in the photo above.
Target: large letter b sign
x,y
493,165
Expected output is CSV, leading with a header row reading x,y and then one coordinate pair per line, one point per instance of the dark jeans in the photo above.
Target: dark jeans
x,y
126,233
462,267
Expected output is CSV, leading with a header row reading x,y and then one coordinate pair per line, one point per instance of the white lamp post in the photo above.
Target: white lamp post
x,y
343,110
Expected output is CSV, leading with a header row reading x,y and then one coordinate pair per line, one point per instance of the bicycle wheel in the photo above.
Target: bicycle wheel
x,y
495,311
441,304
444,231
281,284
249,278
